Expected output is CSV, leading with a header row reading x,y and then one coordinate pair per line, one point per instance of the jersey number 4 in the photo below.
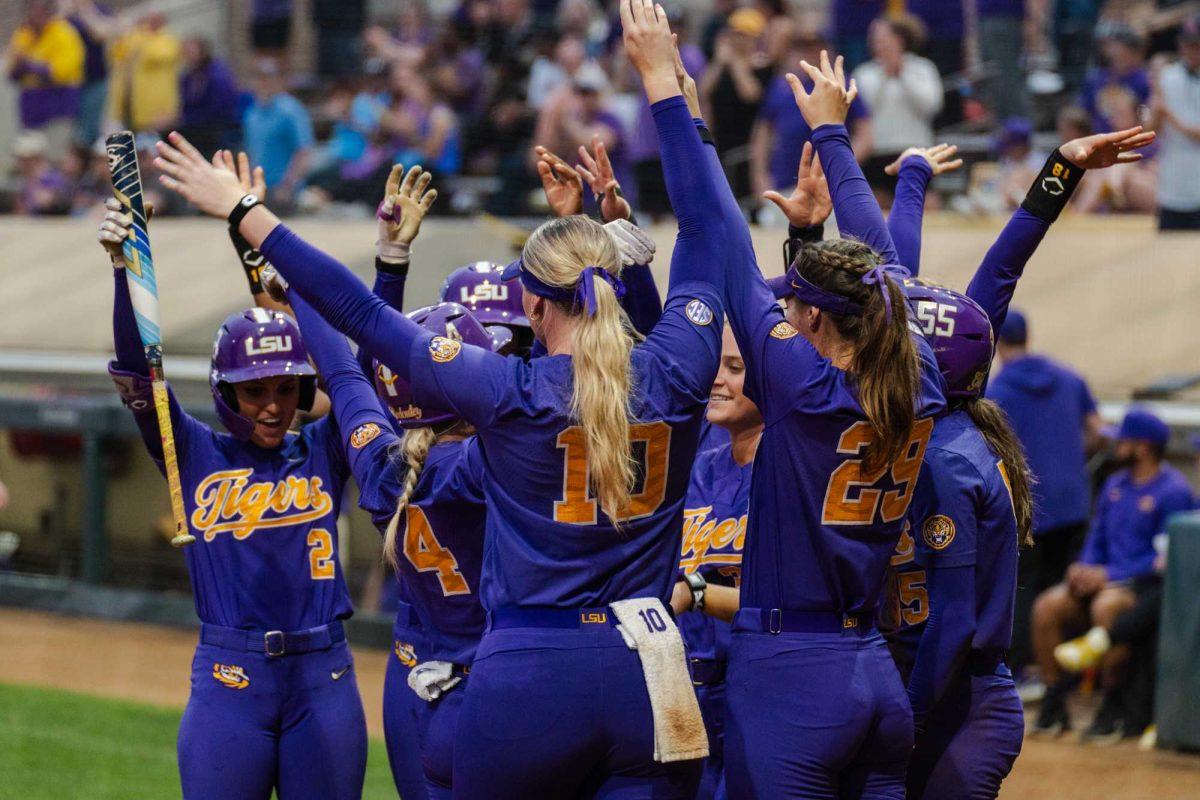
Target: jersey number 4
x,y
577,507
851,498
426,554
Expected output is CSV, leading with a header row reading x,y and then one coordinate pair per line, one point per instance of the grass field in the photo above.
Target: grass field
x,y
57,744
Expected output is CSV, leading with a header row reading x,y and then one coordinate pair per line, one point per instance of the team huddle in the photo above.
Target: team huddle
x,y
757,539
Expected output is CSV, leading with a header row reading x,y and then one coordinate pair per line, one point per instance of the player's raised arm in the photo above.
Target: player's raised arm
x,y
825,109
915,168
996,279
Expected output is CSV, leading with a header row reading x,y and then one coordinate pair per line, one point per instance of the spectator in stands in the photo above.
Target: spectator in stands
x,y
732,90
211,115
1074,25
902,90
1123,68
1055,417
339,25
780,27
278,132
1017,162
574,117
780,131
96,26
46,61
271,27
1115,568
946,28
550,76
1001,35
146,65
1176,117
715,25
851,20
1123,188
44,190
423,130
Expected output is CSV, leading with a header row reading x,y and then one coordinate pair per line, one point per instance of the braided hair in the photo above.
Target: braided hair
x,y
413,449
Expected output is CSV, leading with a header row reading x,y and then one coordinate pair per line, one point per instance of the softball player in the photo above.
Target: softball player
x,y
548,428
714,534
948,611
274,703
815,705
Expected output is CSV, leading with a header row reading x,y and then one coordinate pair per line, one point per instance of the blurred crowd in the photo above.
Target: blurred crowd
x,y
467,91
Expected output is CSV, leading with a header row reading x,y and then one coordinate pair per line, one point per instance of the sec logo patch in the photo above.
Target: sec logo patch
x,y
444,350
363,435
938,531
699,313
230,676
783,331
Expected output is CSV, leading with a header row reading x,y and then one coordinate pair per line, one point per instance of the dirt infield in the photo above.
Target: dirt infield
x,y
152,664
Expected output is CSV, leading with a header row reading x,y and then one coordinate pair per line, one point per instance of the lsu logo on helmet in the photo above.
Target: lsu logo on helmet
x,y
699,313
938,531
483,293
230,676
364,435
405,652
443,350
269,344
783,330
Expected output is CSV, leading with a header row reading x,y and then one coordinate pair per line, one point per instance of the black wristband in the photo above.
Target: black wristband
x,y
242,209
252,260
797,238
706,135
1053,187
397,270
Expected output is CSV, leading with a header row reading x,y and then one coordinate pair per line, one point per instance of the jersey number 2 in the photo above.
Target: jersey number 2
x,y
843,507
426,554
577,507
320,557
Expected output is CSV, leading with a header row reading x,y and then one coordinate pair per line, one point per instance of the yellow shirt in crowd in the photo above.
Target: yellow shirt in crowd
x,y
144,90
58,47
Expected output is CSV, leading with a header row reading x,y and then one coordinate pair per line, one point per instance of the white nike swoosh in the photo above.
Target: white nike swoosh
x,y
339,673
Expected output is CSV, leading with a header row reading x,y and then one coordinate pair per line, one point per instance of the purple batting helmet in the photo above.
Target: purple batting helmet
x,y
480,289
445,319
254,344
959,332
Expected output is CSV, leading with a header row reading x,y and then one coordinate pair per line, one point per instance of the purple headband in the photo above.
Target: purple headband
x,y
835,303
582,293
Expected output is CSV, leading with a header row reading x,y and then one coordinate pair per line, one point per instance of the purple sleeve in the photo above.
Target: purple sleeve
x,y
998,273
946,639
642,301
858,214
364,430
127,342
1087,403
390,287
346,304
908,211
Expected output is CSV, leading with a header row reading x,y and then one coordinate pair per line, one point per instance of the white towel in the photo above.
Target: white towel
x,y
646,626
432,679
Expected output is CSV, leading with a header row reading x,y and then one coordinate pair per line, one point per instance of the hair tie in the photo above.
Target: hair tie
x,y
585,291
878,276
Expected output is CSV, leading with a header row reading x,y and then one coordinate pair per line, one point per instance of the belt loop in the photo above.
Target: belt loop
x,y
271,637
775,621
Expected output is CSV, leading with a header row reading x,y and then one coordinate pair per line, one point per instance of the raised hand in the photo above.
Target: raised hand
x,y
686,83
406,202
562,184
598,173
211,187
253,181
829,101
938,157
809,203
1105,149
650,48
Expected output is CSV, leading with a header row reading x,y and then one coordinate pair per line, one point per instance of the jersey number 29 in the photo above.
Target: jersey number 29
x,y
851,497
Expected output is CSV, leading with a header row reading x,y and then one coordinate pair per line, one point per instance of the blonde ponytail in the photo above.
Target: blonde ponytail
x,y
557,253
414,449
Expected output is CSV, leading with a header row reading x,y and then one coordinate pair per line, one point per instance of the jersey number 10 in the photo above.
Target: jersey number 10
x,y
577,507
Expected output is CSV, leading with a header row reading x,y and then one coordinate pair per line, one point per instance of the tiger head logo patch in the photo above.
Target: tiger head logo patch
x,y
406,653
230,676
938,531
443,350
364,435
783,330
